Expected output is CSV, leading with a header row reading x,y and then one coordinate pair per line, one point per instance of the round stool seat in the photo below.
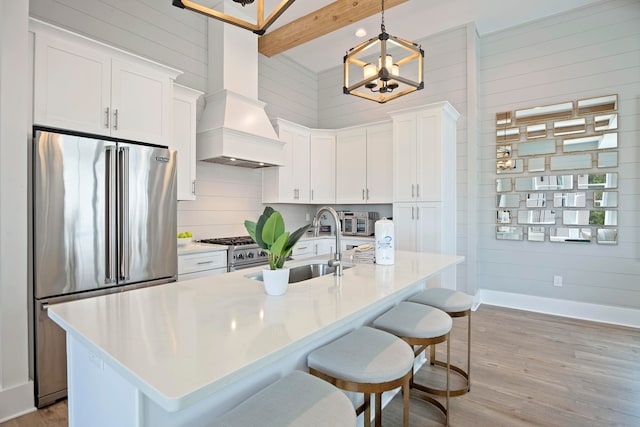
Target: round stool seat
x,y
445,299
365,355
408,319
299,400
368,361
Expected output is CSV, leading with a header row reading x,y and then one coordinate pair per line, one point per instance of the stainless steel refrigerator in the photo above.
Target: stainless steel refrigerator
x,y
104,220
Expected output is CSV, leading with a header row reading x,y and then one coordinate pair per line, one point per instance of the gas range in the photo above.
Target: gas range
x,y
242,252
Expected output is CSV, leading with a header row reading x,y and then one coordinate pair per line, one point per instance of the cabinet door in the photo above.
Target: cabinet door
x,y
429,227
322,177
404,223
301,166
429,156
380,164
351,166
72,86
404,158
184,139
140,103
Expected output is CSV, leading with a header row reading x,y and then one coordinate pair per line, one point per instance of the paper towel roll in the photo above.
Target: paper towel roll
x,y
384,235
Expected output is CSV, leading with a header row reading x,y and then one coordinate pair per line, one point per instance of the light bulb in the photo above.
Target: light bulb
x,y
370,70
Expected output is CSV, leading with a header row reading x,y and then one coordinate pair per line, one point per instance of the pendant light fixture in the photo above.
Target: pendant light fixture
x,y
384,78
261,25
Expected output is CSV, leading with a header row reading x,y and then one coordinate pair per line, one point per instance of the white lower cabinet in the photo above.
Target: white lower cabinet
x,y
201,264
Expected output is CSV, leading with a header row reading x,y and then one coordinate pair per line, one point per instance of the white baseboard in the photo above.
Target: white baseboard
x,y
560,307
16,401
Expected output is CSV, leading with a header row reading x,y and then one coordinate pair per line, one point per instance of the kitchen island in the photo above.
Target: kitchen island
x,y
186,352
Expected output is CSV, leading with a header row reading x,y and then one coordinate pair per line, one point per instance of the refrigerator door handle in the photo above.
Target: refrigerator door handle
x,y
110,218
123,213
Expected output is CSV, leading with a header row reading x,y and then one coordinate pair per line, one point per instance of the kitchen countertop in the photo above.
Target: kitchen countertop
x,y
182,342
196,247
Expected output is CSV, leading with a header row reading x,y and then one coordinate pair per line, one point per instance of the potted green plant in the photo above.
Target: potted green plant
x,y
270,234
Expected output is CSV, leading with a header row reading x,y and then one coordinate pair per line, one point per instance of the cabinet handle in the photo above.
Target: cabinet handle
x,y
204,262
106,118
363,194
311,194
413,191
412,214
417,190
193,187
367,194
417,213
115,119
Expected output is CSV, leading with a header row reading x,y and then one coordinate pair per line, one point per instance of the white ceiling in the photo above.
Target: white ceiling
x,y
415,20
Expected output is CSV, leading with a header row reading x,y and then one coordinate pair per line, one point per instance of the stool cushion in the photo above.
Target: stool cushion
x,y
366,355
444,299
299,399
412,320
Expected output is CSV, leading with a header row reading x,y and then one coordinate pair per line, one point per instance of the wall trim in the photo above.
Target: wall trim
x,y
578,310
16,401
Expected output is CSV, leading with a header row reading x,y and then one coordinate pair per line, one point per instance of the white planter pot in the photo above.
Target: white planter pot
x,y
275,281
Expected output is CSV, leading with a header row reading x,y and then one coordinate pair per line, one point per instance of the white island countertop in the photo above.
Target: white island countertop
x,y
182,342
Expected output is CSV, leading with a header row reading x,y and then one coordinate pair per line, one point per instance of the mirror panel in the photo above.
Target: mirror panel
x,y
538,130
541,183
605,122
508,135
569,127
503,184
536,164
510,166
607,236
508,201
570,200
574,161
504,232
597,181
596,105
605,199
503,152
547,112
535,234
542,216
593,142
587,217
536,200
576,235
503,119
548,146
608,159
504,217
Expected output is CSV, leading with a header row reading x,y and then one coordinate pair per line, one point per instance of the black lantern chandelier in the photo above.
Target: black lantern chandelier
x,y
382,80
259,27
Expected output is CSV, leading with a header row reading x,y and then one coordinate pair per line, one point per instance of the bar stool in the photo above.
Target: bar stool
x,y
367,361
455,304
297,400
420,326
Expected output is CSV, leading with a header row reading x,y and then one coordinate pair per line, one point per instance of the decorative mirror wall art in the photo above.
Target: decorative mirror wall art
x,y
564,158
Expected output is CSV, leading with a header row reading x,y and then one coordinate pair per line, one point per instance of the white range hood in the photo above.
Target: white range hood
x,y
234,128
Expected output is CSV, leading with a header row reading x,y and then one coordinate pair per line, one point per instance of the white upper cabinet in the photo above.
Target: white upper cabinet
x,y
322,178
86,86
289,183
424,153
364,164
184,139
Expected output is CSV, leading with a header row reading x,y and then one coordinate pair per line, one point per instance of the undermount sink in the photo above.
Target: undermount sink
x,y
305,272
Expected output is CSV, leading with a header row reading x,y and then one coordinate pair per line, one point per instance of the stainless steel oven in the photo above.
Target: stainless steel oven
x,y
358,223
242,252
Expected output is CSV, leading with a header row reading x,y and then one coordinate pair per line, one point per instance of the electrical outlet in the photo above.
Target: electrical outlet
x,y
307,217
557,281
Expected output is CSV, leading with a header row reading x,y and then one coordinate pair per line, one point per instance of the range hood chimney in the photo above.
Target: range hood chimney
x,y
234,129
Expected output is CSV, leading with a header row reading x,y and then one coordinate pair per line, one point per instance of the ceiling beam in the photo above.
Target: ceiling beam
x,y
323,21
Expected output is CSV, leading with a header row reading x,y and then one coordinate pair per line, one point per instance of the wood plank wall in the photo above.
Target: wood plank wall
x,y
588,52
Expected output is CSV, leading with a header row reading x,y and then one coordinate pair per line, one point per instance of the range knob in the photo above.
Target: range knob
x,y
250,255
240,256
262,254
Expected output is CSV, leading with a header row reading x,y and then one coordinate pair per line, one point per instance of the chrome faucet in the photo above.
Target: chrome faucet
x,y
337,262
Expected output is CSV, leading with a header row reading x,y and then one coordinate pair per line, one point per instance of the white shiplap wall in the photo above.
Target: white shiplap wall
x,y
445,77
588,52
150,28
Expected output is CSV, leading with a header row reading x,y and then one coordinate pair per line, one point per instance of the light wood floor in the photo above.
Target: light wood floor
x,y
527,369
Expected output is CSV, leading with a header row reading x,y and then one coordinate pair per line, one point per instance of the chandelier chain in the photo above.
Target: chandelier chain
x,y
382,27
